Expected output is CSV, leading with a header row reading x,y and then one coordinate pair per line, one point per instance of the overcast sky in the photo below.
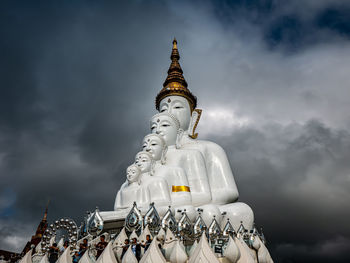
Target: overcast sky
x,y
78,81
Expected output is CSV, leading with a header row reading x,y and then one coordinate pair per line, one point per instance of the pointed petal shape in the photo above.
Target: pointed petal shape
x,y
85,258
38,247
246,256
144,233
65,257
184,225
133,235
169,244
118,243
153,254
161,234
52,240
107,255
169,236
60,243
256,243
95,223
178,254
232,252
152,219
190,253
263,253
169,221
228,229
129,257
214,230
133,221
120,239
199,226
44,259
27,257
241,230
203,253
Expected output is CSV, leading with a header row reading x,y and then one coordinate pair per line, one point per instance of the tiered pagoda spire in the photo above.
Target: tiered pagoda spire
x,y
175,83
35,240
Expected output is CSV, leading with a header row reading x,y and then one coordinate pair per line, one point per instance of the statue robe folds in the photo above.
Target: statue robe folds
x,y
194,165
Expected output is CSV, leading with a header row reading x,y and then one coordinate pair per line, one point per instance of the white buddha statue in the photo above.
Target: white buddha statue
x,y
143,188
177,100
192,161
131,190
176,178
157,186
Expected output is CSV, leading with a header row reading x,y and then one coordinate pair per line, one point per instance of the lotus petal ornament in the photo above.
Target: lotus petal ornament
x,y
107,255
169,243
145,232
262,237
153,254
65,257
214,229
169,221
133,220
244,250
193,248
27,257
203,252
85,258
232,252
129,256
178,254
263,253
228,230
133,235
199,226
152,219
44,259
184,225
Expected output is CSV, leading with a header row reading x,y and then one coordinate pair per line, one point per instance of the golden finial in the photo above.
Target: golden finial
x,y
174,43
46,210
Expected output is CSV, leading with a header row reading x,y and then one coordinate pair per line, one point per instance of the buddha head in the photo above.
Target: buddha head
x,y
144,161
175,97
179,107
155,145
166,125
133,173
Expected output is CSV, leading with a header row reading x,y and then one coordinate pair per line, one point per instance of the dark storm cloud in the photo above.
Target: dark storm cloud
x,y
78,83
290,25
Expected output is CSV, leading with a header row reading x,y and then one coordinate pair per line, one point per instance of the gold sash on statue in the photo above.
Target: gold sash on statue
x,y
180,188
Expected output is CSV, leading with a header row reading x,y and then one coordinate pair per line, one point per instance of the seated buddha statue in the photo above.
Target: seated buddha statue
x,y
176,178
131,190
191,161
176,99
143,188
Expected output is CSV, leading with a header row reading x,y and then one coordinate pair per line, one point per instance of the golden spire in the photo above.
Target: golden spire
x,y
47,208
175,83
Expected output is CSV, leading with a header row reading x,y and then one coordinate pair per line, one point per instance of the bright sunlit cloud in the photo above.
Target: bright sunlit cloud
x,y
221,121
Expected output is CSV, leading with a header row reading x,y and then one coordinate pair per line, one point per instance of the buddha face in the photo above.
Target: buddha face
x,y
153,145
166,127
179,107
143,161
132,173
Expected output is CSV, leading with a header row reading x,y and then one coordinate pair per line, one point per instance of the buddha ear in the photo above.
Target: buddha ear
x,y
196,115
180,133
152,167
163,157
